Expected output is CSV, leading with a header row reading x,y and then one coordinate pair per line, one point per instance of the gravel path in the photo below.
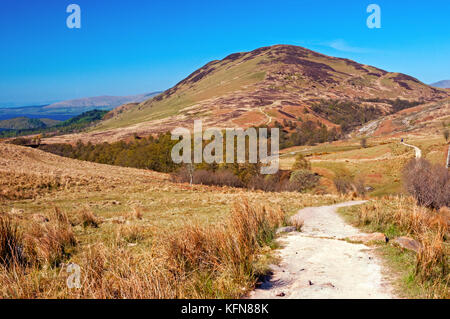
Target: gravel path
x,y
317,263
416,149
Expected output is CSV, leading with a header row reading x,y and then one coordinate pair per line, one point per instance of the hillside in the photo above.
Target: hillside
x,y
423,119
123,223
260,87
24,123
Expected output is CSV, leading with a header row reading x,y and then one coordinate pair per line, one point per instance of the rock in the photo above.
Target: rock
x,y
40,218
366,238
288,229
408,243
15,211
310,282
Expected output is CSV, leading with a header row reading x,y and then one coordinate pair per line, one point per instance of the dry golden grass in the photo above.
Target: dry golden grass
x,y
143,222
28,173
401,216
88,219
196,261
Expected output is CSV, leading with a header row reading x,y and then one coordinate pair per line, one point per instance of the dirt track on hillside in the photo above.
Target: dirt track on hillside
x,y
318,263
416,149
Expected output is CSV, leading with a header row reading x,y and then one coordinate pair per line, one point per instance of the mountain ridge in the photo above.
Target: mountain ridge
x,y
267,85
444,84
101,101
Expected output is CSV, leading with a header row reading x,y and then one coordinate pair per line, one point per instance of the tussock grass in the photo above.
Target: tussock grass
x,y
297,223
88,219
128,255
11,243
225,254
221,260
401,216
50,243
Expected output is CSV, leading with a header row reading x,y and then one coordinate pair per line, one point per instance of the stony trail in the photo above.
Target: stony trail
x,y
318,263
416,149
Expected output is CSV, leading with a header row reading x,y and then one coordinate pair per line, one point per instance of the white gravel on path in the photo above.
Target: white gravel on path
x,y
317,263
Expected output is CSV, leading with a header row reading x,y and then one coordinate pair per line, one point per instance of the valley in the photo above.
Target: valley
x,y
101,191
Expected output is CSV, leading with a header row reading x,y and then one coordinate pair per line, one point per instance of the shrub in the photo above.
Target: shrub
x,y
446,134
264,183
359,185
301,163
50,243
222,177
227,178
219,178
343,183
428,184
303,179
224,255
89,219
363,142
401,216
182,175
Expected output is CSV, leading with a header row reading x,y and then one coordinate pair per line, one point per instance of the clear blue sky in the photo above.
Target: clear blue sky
x,y
138,46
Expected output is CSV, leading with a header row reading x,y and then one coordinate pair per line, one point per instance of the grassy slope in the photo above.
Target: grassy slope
x,y
380,164
223,81
43,181
246,73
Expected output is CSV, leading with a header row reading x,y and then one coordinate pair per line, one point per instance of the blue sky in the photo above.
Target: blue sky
x,y
138,46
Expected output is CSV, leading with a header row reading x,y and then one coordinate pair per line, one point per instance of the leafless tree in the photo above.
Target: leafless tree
x,y
428,184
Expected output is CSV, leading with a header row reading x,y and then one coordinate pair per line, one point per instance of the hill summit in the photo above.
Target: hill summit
x,y
272,83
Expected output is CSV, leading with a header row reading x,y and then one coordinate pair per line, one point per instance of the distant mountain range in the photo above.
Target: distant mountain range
x,y
445,84
66,109
101,101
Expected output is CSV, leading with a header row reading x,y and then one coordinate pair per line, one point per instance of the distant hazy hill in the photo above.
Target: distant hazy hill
x,y
24,123
101,101
445,84
25,126
67,109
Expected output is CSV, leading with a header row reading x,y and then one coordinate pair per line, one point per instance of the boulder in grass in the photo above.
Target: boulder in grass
x,y
366,238
287,229
16,211
40,218
408,243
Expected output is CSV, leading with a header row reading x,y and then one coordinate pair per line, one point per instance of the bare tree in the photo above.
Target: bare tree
x,y
428,184
363,142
